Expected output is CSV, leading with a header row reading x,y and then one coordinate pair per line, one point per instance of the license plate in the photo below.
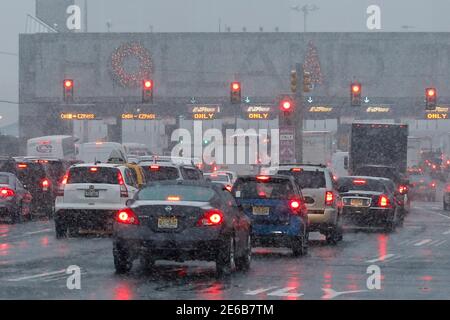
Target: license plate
x,y
167,223
91,193
261,211
356,203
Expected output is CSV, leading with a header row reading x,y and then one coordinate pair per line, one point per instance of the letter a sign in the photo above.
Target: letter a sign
x,y
73,21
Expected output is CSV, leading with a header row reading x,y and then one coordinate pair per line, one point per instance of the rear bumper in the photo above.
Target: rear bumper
x,y
367,216
81,206
193,243
328,219
278,235
87,220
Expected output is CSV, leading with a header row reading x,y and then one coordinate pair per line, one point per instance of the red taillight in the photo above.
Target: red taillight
x,y
45,184
433,184
123,187
22,166
60,192
263,178
93,169
229,187
329,198
154,168
402,189
383,201
296,169
294,204
211,218
359,181
127,216
7,192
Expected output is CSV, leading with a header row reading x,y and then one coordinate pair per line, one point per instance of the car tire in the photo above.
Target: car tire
x,y
122,260
300,246
60,230
16,216
243,263
147,262
225,259
446,207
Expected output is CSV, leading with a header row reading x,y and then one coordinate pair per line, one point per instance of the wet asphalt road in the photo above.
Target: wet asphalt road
x,y
413,262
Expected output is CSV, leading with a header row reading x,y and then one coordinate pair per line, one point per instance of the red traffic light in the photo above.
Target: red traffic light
x,y
431,92
68,83
356,88
148,84
235,86
286,105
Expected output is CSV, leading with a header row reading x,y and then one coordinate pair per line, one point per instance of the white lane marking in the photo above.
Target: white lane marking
x,y
421,243
42,275
440,243
382,258
436,208
331,294
443,215
59,277
446,232
259,291
37,232
394,259
284,292
407,242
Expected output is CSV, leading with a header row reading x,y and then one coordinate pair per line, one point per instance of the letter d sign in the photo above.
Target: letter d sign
x,y
73,21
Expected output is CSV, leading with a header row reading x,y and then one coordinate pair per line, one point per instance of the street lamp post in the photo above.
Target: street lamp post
x,y
306,9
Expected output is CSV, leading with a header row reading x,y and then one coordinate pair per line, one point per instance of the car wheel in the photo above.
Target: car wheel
x,y
446,207
147,262
243,263
225,261
300,246
60,230
122,260
16,215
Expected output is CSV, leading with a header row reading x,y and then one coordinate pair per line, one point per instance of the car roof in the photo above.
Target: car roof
x,y
273,176
375,166
366,178
103,165
306,167
199,183
160,164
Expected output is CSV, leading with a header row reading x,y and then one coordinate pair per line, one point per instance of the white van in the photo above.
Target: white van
x,y
59,147
91,152
136,149
339,164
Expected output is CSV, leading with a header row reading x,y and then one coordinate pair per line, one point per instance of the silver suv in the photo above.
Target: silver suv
x,y
321,196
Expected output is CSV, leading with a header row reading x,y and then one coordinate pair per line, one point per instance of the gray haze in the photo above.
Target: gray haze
x,y
209,16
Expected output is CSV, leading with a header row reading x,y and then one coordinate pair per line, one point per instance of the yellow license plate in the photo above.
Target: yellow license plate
x,y
356,203
261,211
167,223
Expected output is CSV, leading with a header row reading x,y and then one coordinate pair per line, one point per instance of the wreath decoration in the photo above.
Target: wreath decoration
x,y
125,51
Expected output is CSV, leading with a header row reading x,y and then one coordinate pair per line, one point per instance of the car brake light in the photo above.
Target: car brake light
x,y
127,216
93,169
123,187
402,189
359,181
22,166
60,191
229,187
296,169
262,178
329,198
294,205
211,218
383,201
7,192
45,184
173,198
433,184
154,168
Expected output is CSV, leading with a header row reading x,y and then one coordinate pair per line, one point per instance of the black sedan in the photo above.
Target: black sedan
x,y
15,200
182,220
370,202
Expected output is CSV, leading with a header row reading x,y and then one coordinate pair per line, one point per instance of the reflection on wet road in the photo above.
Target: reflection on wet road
x,y
413,262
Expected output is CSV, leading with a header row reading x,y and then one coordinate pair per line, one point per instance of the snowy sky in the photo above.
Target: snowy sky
x,y
206,15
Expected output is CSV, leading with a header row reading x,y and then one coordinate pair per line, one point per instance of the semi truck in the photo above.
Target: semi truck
x,y
379,144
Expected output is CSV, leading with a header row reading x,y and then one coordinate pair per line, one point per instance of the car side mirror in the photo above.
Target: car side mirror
x,y
130,202
343,189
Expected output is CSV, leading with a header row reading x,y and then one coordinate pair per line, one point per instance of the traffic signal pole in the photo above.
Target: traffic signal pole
x,y
299,115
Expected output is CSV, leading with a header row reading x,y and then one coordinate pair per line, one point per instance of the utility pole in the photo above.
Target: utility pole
x,y
299,114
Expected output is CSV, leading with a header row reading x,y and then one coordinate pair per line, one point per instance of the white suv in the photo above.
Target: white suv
x,y
321,197
89,195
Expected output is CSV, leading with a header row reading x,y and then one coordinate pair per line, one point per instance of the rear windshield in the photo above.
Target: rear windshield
x,y
307,179
31,173
160,174
55,170
388,173
218,178
176,193
278,189
101,175
361,184
4,179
